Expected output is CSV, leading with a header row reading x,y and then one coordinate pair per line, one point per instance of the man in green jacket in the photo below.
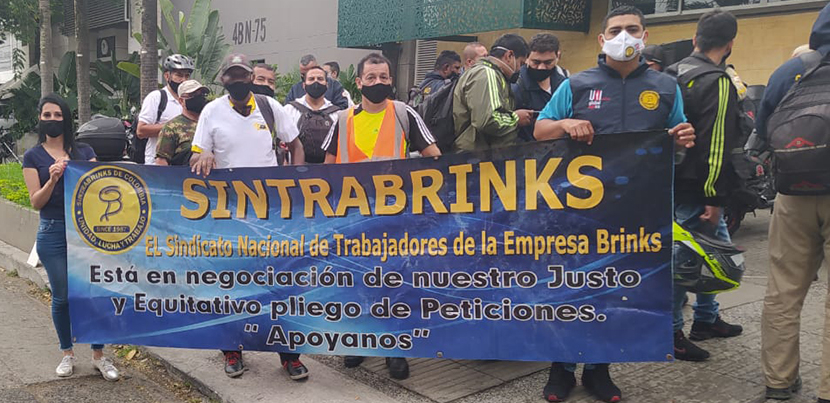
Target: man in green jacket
x,y
483,103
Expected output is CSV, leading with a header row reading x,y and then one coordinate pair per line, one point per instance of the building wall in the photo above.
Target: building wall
x,y
292,29
763,42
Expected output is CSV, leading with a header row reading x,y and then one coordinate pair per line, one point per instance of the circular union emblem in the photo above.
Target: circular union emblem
x,y
629,51
649,100
111,209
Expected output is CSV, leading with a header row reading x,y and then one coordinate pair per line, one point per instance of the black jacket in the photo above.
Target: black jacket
x,y
710,100
529,95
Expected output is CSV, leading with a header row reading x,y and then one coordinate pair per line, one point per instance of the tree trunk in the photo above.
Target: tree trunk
x,y
82,61
46,69
149,47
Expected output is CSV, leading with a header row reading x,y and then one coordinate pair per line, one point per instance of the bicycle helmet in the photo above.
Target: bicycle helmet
x,y
178,62
713,266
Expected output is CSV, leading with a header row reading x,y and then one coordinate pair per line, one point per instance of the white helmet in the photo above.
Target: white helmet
x,y
178,62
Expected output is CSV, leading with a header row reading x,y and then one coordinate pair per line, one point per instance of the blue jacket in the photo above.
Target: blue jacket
x,y
787,75
529,95
432,82
334,93
645,100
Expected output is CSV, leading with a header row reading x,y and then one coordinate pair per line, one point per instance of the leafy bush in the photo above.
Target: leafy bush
x,y
12,186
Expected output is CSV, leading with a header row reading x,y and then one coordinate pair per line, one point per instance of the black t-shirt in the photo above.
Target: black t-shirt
x,y
40,160
419,136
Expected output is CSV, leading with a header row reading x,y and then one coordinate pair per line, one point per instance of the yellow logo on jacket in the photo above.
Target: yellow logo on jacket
x,y
111,209
260,126
649,100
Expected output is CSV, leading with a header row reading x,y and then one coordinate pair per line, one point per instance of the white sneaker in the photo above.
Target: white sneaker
x,y
66,367
106,368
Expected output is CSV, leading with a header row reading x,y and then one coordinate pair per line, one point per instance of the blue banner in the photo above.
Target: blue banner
x,y
554,251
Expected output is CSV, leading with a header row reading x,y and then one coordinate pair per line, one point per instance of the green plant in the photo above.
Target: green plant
x,y
346,78
12,186
115,84
200,38
285,82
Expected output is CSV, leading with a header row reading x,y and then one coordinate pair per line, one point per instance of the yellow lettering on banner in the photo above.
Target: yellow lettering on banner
x,y
420,191
202,201
359,200
316,197
462,204
394,190
587,182
282,186
259,199
505,189
535,185
221,211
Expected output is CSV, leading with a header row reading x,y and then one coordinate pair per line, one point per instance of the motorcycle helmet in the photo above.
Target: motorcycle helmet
x,y
178,62
706,265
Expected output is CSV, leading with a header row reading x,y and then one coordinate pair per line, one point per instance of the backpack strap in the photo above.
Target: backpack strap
x,y
811,60
402,117
267,113
300,107
162,105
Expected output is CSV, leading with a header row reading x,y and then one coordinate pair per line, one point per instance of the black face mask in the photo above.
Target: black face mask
x,y
262,90
376,93
238,90
51,128
453,76
316,90
196,104
726,56
539,74
514,78
174,86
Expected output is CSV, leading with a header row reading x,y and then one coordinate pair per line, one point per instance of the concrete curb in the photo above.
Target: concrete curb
x,y
14,259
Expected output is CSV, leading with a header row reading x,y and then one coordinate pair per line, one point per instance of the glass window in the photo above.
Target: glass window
x,y
656,7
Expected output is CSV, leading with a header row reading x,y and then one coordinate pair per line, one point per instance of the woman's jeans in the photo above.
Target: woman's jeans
x,y
51,248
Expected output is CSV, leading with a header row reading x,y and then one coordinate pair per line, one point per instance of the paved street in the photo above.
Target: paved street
x,y
30,355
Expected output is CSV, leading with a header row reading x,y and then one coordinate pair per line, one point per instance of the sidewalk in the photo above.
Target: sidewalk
x,y
733,374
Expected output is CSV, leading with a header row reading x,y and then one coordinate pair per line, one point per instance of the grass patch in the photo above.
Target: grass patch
x,y
12,273
12,186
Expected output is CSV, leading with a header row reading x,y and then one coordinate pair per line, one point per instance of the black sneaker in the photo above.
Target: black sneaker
x,y
598,382
784,393
398,368
296,370
352,361
705,331
233,364
560,383
685,350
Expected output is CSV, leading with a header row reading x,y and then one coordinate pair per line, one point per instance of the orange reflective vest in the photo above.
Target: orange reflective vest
x,y
391,142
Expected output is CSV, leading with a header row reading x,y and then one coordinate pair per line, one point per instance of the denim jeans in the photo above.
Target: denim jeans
x,y
706,308
51,249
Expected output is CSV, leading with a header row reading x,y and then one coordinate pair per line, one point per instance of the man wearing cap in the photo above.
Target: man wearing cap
x,y
654,57
176,135
240,130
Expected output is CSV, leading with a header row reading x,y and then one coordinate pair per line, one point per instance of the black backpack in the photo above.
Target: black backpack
x,y
314,126
436,110
799,134
137,146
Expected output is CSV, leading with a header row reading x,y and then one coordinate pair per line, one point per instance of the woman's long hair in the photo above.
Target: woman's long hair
x,y
68,129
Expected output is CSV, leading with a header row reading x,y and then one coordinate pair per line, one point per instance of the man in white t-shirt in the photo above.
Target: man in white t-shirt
x,y
233,132
313,115
177,69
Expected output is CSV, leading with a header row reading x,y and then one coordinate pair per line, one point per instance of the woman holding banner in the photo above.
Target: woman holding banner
x,y
43,168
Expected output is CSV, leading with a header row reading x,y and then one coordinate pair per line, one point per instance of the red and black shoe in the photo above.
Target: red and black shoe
x,y
598,381
234,367
296,370
560,383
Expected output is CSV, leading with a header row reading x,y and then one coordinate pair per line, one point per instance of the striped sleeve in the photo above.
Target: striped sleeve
x,y
716,147
499,114
418,127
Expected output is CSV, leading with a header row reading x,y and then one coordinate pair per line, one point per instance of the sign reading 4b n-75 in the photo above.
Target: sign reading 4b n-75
x,y
546,251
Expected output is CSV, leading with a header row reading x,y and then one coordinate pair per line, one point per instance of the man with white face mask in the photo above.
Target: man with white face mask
x,y
620,95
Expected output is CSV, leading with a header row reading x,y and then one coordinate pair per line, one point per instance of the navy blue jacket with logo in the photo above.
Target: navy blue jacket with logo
x,y
645,100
